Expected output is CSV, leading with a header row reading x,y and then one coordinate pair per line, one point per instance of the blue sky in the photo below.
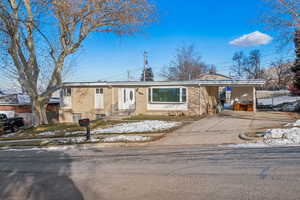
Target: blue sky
x,y
209,24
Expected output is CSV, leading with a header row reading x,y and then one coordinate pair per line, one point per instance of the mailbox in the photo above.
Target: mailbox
x,y
84,122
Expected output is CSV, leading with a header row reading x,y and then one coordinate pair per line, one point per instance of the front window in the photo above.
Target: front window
x,y
131,95
99,91
66,100
67,92
167,95
76,117
100,116
124,96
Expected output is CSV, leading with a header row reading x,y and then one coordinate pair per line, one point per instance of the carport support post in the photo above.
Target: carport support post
x,y
254,99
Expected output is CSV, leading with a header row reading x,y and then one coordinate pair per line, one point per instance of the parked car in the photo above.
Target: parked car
x,y
10,124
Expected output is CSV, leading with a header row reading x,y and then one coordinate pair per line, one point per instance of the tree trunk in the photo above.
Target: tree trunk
x,y
39,112
296,67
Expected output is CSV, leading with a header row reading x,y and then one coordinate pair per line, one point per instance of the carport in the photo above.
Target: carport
x,y
243,92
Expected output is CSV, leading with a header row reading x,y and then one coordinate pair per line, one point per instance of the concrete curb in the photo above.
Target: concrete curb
x,y
244,137
21,143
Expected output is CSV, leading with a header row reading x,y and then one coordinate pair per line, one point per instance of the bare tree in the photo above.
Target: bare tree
x,y
284,18
56,29
279,74
247,66
283,73
238,60
187,65
252,67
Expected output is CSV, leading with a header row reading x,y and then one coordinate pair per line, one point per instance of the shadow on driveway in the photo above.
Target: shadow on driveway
x,y
36,175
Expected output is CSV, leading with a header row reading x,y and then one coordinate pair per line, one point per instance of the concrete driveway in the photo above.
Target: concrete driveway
x,y
225,128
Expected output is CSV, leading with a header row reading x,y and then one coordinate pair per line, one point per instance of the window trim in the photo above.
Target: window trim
x,y
67,92
99,93
79,114
150,95
66,98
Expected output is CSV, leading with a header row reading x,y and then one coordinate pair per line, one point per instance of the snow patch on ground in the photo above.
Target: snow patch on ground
x,y
139,127
56,148
52,133
289,136
281,103
75,133
75,140
47,133
288,107
297,123
277,137
9,135
278,100
249,145
127,138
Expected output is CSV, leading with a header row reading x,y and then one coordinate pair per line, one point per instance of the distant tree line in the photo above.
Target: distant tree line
x,y
277,76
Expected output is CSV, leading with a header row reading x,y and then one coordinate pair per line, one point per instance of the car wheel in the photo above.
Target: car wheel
x,y
14,128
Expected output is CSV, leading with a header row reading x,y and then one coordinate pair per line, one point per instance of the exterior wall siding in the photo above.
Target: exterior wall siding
x,y
141,96
208,99
200,101
65,115
83,103
194,101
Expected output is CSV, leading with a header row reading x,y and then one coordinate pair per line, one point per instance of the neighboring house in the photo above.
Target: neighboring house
x,y
225,92
197,97
19,105
213,76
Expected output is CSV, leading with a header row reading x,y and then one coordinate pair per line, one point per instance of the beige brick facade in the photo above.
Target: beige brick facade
x,y
141,100
208,99
83,103
200,101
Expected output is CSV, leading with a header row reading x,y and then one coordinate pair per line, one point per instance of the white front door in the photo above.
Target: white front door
x,y
126,98
99,99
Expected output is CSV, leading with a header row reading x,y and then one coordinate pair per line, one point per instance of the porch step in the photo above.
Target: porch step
x,y
123,112
116,117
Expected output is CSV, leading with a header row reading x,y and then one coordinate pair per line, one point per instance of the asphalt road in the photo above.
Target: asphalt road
x,y
190,172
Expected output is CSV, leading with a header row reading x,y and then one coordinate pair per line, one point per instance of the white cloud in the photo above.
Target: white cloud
x,y
252,39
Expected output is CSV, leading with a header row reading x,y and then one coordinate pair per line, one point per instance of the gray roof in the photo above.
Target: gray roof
x,y
232,83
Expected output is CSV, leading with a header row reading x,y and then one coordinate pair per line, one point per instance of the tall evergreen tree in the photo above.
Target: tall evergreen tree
x,y
296,67
149,76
